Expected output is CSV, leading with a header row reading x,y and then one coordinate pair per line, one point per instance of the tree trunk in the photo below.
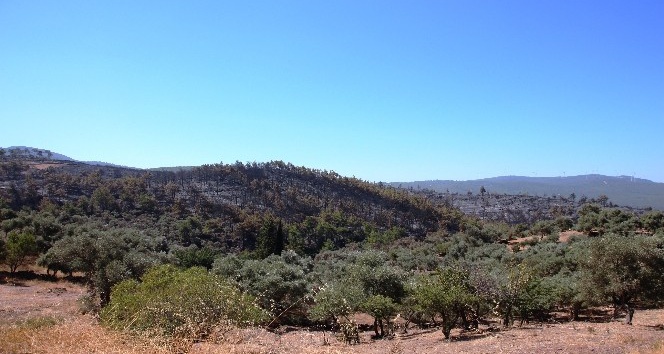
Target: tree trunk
x,y
448,323
630,314
464,320
382,329
576,308
446,332
507,317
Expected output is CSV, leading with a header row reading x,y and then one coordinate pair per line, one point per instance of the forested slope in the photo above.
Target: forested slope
x,y
225,205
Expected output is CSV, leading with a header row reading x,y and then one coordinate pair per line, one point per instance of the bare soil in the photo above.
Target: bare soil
x,y
565,236
24,304
22,300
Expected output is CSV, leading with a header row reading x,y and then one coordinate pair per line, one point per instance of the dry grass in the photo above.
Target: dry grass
x,y
79,335
657,348
84,335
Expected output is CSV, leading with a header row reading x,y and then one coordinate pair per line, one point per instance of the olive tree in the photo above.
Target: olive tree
x,y
446,294
279,282
383,286
335,301
623,271
18,247
360,281
105,257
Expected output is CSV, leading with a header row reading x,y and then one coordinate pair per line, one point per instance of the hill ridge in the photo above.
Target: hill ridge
x,y
622,190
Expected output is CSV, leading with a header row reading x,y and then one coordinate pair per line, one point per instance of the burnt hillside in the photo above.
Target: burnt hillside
x,y
519,208
226,203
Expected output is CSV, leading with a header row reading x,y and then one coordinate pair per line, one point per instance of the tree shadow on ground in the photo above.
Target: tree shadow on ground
x,y
465,335
24,275
659,327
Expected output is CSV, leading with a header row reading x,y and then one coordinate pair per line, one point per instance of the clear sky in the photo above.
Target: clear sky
x,y
380,90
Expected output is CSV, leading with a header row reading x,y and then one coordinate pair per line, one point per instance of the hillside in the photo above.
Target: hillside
x,y
225,204
621,190
194,252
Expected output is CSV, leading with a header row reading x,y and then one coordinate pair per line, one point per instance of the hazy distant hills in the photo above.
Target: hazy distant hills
x,y
31,152
621,190
36,153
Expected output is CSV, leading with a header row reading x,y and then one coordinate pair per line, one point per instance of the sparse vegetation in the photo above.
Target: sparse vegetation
x,y
187,254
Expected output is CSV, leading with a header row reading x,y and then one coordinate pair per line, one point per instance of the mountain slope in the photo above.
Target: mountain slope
x,y
30,152
621,190
224,205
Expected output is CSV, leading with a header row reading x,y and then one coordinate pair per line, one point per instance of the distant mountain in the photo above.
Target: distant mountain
x,y
36,153
621,190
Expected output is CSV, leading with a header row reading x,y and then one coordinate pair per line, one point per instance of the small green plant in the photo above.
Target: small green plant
x,y
40,322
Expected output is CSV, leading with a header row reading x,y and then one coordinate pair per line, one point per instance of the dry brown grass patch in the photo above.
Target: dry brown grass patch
x,y
657,348
79,335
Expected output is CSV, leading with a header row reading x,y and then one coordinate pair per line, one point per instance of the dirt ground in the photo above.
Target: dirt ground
x,y
645,336
22,300
38,316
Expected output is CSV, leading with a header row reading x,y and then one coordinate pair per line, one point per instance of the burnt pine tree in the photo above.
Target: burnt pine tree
x,y
280,239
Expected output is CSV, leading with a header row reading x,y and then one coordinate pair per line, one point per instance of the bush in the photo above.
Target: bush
x,y
181,303
195,257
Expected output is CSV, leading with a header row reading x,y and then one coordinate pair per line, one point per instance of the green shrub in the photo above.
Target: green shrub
x,y
181,303
35,323
195,257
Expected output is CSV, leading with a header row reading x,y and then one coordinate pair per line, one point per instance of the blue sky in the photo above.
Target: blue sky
x,y
380,90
